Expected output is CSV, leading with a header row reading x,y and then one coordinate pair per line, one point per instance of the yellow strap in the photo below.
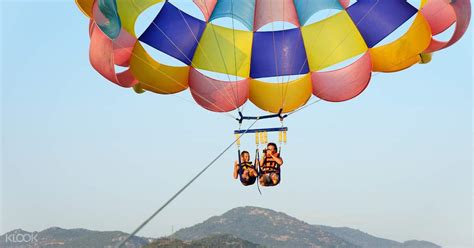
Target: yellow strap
x,y
138,88
425,58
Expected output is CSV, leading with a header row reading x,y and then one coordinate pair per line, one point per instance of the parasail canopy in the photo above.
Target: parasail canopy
x,y
299,58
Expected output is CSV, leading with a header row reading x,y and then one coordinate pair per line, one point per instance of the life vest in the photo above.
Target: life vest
x,y
270,166
246,165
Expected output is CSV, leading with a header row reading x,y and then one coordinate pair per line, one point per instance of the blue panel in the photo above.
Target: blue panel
x,y
174,33
378,19
307,8
278,53
242,10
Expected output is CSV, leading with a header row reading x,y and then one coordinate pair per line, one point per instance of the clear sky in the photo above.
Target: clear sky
x,y
78,151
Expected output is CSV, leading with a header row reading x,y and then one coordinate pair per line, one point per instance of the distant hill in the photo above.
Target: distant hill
x,y
366,240
266,227
276,229
243,227
81,238
222,241
74,238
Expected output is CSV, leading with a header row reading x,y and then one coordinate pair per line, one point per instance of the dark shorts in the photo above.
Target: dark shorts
x,y
246,182
267,177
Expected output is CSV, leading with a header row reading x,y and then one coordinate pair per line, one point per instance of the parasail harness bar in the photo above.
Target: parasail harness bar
x,y
262,130
278,115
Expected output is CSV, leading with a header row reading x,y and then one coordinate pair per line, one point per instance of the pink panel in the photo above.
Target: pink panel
x,y
122,45
345,83
439,14
91,27
215,95
345,3
206,6
102,57
462,11
267,11
123,48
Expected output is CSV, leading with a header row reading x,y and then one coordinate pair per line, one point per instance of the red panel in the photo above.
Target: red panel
x,y
345,83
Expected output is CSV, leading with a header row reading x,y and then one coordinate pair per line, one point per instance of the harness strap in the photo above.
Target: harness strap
x,y
257,167
246,165
240,162
270,171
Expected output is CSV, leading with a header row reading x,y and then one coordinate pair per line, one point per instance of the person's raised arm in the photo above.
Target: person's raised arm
x,y
277,159
236,169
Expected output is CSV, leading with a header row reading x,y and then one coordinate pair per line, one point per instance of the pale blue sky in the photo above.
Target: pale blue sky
x,y
78,151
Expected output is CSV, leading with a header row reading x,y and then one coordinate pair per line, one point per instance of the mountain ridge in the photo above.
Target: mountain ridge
x,y
245,222
245,227
222,241
53,237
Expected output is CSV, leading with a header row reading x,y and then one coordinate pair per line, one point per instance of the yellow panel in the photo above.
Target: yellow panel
x,y
129,10
215,40
422,3
85,6
405,51
332,41
156,77
272,96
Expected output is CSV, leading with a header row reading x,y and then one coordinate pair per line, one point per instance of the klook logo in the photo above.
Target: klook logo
x,y
21,237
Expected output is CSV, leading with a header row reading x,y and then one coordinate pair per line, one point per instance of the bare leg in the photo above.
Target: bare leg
x,y
253,173
262,180
236,171
245,175
275,178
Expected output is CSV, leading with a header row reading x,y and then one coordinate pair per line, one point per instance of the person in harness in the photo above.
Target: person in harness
x,y
270,166
246,170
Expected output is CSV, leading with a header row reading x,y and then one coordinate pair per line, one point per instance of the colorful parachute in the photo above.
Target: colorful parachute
x,y
250,55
